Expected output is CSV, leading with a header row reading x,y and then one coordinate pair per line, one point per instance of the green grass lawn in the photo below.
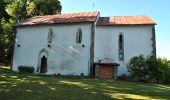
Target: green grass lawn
x,y
34,87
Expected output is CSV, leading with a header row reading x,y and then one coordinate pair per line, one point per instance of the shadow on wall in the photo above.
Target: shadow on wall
x,y
60,58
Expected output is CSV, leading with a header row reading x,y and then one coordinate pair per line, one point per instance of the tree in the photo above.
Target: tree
x,y
17,10
20,10
13,11
3,13
44,7
6,38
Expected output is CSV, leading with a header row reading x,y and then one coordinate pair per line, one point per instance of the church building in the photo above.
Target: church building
x,y
77,43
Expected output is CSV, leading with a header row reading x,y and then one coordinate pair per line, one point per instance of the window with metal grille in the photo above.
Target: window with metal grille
x,y
79,35
50,35
121,47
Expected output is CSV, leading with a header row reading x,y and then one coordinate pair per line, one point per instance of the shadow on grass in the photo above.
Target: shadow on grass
x,y
4,69
33,87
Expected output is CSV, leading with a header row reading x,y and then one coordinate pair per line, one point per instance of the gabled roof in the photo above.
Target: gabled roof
x,y
85,17
125,20
61,19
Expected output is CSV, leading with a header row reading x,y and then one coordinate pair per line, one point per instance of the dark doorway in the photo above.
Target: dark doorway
x,y
43,65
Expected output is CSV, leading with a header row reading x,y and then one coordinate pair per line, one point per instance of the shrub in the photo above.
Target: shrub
x,y
26,69
138,68
149,69
154,67
159,69
81,74
58,74
166,76
165,70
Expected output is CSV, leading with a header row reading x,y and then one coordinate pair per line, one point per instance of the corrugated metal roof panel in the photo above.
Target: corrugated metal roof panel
x,y
60,18
87,17
125,20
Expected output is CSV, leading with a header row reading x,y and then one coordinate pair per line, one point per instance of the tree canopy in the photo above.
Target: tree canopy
x,y
13,11
23,9
44,7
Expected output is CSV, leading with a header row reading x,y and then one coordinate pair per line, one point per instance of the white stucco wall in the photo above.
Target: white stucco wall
x,y
137,40
65,56
68,57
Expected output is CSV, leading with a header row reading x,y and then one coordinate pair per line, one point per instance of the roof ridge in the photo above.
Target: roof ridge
x,y
82,12
64,14
126,16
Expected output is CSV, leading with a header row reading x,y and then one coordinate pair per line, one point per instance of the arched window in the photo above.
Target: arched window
x,y
79,35
121,47
50,35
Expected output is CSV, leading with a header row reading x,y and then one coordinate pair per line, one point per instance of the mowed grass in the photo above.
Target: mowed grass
x,y
33,87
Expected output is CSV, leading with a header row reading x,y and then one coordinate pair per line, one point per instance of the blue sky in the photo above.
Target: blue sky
x,y
158,10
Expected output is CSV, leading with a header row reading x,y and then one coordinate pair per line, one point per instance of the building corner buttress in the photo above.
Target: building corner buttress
x,y
92,50
153,42
13,47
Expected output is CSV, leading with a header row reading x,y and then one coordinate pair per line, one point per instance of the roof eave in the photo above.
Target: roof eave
x,y
124,24
90,22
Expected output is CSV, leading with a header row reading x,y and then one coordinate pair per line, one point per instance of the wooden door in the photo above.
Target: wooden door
x,y
43,65
106,71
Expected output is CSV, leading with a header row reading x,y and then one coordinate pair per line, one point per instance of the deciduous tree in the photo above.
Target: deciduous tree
x,y
13,11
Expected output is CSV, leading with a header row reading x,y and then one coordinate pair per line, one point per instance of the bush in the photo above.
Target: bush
x,y
138,68
153,68
82,74
165,70
58,74
26,69
166,76
149,69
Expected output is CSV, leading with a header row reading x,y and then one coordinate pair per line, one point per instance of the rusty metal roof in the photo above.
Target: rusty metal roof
x,y
60,19
87,17
125,20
